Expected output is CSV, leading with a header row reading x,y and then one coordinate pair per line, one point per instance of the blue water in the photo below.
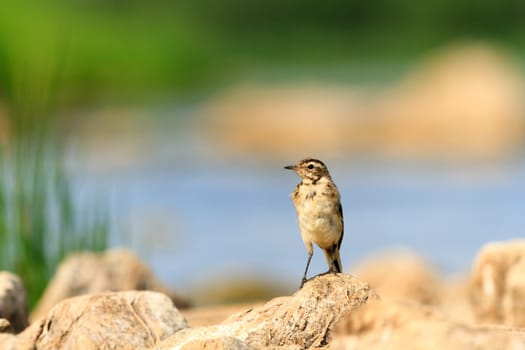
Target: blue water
x,y
193,215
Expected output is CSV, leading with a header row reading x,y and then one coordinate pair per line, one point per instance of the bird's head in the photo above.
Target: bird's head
x,y
310,168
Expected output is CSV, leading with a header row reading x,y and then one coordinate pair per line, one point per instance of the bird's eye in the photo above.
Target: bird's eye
x,y
310,166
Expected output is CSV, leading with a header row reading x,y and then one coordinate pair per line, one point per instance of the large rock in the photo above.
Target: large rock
x,y
454,301
401,275
463,101
88,273
400,326
210,315
5,326
498,283
13,302
15,342
305,319
238,289
283,121
513,303
113,320
225,343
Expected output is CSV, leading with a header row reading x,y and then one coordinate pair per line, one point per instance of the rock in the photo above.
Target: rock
x,y
397,325
497,276
13,302
305,319
210,315
404,275
113,320
259,119
454,301
237,289
513,302
229,343
380,313
15,342
5,326
401,275
88,272
225,343
463,101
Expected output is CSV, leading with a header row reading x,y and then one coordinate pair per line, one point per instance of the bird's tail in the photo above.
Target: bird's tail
x,y
333,259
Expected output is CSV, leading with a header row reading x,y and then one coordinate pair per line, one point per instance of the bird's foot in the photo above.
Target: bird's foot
x,y
325,273
304,280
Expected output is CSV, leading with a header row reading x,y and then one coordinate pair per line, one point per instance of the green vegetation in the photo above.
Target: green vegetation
x,y
122,49
41,220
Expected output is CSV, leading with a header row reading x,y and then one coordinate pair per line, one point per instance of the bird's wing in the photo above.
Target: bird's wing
x,y
340,209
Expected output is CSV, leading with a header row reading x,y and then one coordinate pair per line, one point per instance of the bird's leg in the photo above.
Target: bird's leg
x,y
310,253
333,259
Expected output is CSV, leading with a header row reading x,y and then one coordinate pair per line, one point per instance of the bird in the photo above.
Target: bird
x,y
317,202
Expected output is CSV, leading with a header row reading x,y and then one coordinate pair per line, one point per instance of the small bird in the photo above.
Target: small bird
x,y
319,212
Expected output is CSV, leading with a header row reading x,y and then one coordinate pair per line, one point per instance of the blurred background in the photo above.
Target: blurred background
x,y
164,127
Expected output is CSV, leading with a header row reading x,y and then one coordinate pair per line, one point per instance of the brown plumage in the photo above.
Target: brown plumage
x,y
319,212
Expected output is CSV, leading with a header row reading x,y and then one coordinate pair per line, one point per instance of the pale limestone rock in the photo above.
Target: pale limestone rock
x,y
88,272
210,315
461,101
401,275
455,299
13,302
399,326
15,342
513,302
5,326
225,343
497,283
113,320
282,120
305,319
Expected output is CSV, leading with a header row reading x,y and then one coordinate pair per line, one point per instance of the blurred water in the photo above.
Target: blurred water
x,y
193,214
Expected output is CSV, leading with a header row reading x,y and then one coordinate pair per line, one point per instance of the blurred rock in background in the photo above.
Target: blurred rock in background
x,y
13,302
463,101
497,283
401,275
88,273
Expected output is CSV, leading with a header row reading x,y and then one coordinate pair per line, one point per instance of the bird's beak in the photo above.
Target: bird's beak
x,y
290,167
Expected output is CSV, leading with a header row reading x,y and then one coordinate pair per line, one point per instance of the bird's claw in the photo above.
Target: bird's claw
x,y
303,282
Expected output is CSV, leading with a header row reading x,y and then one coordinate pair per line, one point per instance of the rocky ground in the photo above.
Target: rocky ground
x,y
394,302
